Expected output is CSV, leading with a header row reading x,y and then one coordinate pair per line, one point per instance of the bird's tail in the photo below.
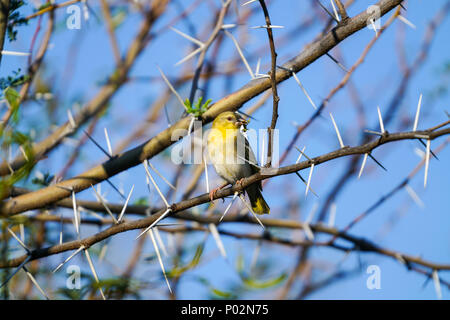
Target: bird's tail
x,y
259,205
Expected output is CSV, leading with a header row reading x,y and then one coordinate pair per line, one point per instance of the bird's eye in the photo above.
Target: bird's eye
x,y
229,118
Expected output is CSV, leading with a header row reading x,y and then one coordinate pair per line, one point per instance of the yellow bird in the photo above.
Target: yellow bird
x,y
233,158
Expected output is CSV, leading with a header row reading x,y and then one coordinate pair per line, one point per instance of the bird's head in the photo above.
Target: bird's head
x,y
228,120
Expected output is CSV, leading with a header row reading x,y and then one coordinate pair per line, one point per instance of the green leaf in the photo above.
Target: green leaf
x,y
118,18
198,108
216,293
178,271
255,284
142,201
240,263
223,294
13,99
14,18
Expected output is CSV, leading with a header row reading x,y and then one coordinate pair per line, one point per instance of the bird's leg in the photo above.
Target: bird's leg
x,y
214,191
239,182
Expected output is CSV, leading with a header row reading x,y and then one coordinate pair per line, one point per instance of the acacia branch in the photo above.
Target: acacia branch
x,y
273,83
265,173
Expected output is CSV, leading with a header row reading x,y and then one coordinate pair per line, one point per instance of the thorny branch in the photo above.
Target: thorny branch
x,y
362,244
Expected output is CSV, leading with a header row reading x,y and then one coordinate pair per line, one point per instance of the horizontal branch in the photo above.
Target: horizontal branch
x,y
362,244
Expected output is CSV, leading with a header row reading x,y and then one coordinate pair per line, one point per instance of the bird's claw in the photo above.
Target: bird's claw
x,y
239,182
213,192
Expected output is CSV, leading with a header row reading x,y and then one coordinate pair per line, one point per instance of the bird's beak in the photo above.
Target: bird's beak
x,y
241,122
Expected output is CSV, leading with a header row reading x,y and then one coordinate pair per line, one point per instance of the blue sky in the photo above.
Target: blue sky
x,y
417,231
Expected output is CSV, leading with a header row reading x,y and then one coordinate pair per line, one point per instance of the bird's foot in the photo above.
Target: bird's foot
x,y
239,182
212,193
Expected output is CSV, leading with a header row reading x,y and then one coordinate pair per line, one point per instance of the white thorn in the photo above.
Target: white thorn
x,y
160,241
92,213
68,258
108,142
427,162
22,150
188,37
94,273
373,132
267,27
85,10
258,65
437,284
100,198
154,183
171,87
309,179
155,245
61,230
22,232
374,27
191,124
419,152
414,196
416,119
261,76
215,233
228,26
71,120
362,165
229,206
154,223
102,254
304,90
251,210
380,119
248,2
36,284
312,213
161,176
15,53
18,240
75,213
335,11
248,161
337,131
400,258
300,155
308,232
240,53
125,205
189,56
406,21
333,210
